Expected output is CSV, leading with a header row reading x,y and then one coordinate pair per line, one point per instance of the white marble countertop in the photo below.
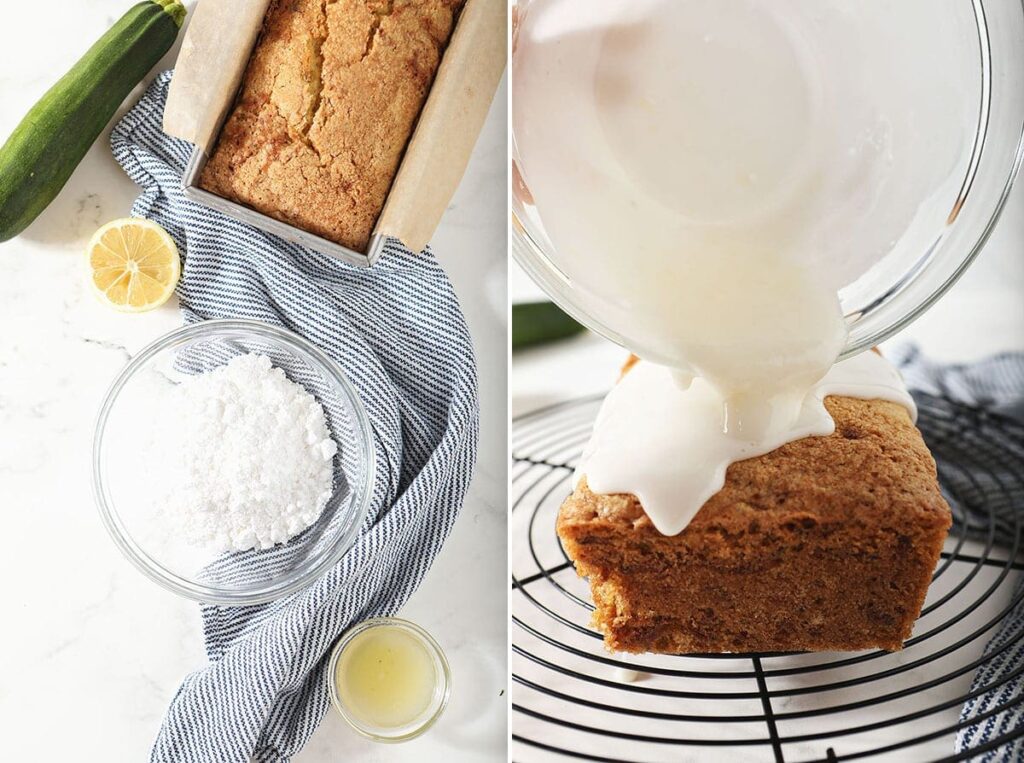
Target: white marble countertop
x,y
91,650
982,314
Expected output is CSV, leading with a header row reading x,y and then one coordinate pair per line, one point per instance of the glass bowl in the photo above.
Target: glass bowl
x,y
122,480
439,698
922,265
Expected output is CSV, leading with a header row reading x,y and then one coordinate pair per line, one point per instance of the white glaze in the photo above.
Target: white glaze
x,y
627,676
711,175
665,445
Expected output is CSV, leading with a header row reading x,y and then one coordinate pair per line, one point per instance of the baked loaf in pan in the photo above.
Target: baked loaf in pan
x,y
327,105
827,543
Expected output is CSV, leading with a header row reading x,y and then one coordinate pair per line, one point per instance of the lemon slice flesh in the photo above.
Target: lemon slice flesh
x,y
133,264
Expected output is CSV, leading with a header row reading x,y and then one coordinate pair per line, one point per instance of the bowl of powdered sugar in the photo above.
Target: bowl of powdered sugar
x,y
232,462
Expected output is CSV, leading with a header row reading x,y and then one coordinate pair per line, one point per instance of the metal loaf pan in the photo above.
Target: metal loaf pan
x,y
192,191
209,72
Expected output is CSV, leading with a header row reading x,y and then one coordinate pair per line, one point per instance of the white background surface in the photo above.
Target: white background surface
x,y
90,651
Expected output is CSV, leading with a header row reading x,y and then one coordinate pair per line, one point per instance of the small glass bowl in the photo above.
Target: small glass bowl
x,y
442,688
147,537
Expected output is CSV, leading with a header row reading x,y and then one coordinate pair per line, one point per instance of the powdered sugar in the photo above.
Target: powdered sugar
x,y
250,457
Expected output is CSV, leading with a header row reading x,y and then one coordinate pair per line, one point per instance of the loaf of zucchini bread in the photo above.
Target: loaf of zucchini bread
x,y
327,105
827,543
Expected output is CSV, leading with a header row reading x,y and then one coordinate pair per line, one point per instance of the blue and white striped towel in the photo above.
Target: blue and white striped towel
x,y
981,460
398,332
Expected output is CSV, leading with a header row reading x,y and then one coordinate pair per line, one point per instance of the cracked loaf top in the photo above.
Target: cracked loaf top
x,y
328,102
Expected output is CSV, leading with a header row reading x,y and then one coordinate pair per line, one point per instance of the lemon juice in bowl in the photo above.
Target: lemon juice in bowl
x,y
389,679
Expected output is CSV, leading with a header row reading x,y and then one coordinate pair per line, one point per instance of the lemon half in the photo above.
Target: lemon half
x,y
133,264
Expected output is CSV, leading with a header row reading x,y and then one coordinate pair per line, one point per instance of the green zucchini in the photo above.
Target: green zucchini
x,y
44,149
539,323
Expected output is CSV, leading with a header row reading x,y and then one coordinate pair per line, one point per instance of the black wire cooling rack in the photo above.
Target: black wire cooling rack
x,y
573,699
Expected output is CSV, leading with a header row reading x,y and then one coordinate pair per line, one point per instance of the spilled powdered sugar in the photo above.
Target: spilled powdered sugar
x,y
249,457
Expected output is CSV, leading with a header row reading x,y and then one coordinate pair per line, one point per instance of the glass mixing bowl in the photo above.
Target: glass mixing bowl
x,y
122,485
926,261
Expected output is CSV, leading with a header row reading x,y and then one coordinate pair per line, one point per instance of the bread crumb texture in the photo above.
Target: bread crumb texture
x,y
328,102
827,543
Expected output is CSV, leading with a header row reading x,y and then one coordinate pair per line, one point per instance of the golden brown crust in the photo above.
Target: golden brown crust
x,y
631,361
825,543
328,102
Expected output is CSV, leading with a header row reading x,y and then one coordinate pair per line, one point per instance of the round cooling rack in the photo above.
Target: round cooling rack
x,y
573,699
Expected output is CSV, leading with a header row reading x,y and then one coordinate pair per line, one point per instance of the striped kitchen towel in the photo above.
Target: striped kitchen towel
x,y
397,331
973,421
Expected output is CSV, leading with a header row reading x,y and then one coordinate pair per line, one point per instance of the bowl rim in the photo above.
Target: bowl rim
x,y
425,639
289,584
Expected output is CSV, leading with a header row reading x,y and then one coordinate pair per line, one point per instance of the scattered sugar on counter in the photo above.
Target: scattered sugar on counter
x,y
251,457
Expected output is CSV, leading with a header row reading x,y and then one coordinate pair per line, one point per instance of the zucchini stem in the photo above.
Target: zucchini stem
x,y
174,9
